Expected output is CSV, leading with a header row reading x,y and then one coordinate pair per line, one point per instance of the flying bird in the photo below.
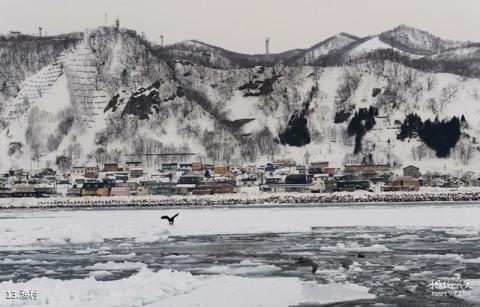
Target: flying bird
x,y
170,219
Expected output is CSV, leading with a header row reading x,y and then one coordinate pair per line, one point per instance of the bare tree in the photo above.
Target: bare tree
x,y
347,86
447,94
432,105
35,151
431,81
476,94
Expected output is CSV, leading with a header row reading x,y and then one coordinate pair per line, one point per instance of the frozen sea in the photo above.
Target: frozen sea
x,y
295,256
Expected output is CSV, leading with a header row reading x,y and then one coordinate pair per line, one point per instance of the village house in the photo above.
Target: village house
x,y
248,181
191,178
24,190
46,172
120,191
197,166
157,188
269,168
185,167
301,169
94,189
221,188
133,164
330,184
298,179
200,190
284,163
91,172
281,188
403,184
79,181
132,186
229,174
274,180
225,180
111,167
136,172
220,169
169,166
45,189
329,171
5,192
74,192
33,190
365,168
120,178
184,188
352,185
293,183
318,183
163,188
142,191
317,167
78,171
249,169
213,187
411,171
109,181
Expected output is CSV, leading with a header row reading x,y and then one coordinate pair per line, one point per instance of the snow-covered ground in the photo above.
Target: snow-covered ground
x,y
130,257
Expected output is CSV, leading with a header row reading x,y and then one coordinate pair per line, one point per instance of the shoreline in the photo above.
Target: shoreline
x,y
243,199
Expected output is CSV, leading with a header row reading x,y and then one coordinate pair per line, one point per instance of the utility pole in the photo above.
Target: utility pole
x,y
105,19
40,31
117,24
161,40
267,46
392,52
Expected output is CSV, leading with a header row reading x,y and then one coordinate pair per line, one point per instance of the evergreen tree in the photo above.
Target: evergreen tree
x,y
440,136
296,133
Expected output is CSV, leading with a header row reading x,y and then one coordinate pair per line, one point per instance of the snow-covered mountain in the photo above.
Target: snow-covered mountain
x,y
216,57
415,41
317,52
401,97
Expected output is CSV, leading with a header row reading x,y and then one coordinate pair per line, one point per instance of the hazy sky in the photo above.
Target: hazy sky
x,y
242,25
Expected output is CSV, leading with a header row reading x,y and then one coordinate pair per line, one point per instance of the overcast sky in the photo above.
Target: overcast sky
x,y
242,25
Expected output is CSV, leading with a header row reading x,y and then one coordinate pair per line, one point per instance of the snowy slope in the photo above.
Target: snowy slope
x,y
417,41
324,48
373,44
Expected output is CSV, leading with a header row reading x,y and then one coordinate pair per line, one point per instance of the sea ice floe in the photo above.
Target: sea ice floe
x,y
245,267
355,247
145,287
168,288
116,266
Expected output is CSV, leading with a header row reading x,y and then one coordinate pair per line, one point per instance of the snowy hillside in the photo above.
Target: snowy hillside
x,y
329,46
416,41
344,100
